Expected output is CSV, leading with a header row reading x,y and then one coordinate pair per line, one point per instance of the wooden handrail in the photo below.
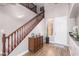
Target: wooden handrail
x,y
4,45
33,4
11,41
25,23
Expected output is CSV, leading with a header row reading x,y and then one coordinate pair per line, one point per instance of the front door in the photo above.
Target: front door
x,y
60,30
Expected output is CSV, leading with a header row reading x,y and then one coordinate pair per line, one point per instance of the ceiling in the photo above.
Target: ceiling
x,y
13,10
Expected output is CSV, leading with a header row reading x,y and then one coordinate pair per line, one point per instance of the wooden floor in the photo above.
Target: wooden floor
x,y
51,50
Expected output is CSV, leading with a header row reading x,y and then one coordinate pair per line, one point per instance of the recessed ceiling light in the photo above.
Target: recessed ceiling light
x,y
20,16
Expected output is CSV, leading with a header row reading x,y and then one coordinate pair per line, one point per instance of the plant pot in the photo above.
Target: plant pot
x,y
47,40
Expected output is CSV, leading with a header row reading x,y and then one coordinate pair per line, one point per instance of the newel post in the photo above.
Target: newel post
x,y
3,45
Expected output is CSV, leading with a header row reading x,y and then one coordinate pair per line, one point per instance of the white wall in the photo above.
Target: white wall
x,y
53,11
71,24
74,21
39,28
77,21
12,17
56,10
23,47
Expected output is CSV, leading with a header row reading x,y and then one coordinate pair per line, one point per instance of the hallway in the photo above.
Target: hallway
x,y
51,50
23,23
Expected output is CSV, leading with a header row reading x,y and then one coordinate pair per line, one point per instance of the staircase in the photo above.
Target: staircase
x,y
10,42
30,6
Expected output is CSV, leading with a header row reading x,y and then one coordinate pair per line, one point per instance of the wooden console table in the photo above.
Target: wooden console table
x,y
35,43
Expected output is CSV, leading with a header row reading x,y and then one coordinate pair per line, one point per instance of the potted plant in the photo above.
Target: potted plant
x,y
76,33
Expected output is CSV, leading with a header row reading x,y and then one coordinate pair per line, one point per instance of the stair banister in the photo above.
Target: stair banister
x,y
10,42
4,45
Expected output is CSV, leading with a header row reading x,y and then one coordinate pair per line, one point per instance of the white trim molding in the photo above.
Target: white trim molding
x,y
23,53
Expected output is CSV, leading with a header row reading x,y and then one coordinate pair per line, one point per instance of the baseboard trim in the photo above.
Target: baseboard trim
x,y
51,42
59,43
23,53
